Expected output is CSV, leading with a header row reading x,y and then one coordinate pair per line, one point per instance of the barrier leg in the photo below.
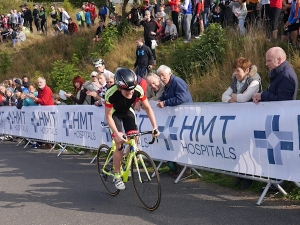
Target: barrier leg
x,y
62,150
52,147
94,159
196,172
20,141
180,175
263,194
28,142
280,189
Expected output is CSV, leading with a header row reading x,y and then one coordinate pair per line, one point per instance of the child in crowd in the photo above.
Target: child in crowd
x,y
10,99
217,15
57,99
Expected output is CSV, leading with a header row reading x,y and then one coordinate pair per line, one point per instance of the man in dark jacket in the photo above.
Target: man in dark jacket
x,y
144,58
176,90
151,29
283,79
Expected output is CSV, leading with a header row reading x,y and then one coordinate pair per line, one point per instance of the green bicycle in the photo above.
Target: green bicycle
x,y
138,165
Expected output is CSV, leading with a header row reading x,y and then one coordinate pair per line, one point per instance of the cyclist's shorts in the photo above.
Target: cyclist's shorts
x,y
128,119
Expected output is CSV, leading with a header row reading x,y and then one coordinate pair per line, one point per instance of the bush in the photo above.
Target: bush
x,y
5,62
62,74
200,54
106,45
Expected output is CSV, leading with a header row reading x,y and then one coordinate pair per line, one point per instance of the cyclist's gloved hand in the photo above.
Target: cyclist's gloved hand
x,y
155,132
119,137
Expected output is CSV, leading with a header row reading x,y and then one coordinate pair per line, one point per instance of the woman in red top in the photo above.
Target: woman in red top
x,y
174,4
275,9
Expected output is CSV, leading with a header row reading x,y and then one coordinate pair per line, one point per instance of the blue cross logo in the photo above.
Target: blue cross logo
x,y
273,140
34,122
67,123
172,131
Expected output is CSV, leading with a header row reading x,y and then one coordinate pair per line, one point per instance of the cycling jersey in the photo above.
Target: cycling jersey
x,y
114,98
123,111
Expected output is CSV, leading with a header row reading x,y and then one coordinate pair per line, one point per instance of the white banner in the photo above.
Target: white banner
x,y
261,140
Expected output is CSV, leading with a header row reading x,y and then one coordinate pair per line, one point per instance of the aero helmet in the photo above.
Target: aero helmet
x,y
125,79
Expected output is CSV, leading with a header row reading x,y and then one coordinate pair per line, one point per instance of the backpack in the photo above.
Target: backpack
x,y
78,17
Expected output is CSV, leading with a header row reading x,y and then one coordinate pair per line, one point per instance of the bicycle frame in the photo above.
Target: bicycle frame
x,y
124,172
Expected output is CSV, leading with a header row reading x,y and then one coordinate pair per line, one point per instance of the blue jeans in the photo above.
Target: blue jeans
x,y
205,14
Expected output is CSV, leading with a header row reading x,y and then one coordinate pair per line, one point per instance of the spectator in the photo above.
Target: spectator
x,y
88,18
251,6
54,16
155,87
275,9
25,81
216,17
103,13
292,24
187,14
283,79
28,17
246,82
144,58
36,17
64,16
21,35
62,27
110,80
92,10
175,8
10,99
14,18
14,36
44,93
206,12
99,95
80,93
197,19
170,32
81,17
100,67
176,90
72,27
239,9
25,100
57,100
146,7
151,29
99,30
134,15
19,86
43,18
2,95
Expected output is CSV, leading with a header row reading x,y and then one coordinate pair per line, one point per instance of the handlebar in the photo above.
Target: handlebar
x,y
135,135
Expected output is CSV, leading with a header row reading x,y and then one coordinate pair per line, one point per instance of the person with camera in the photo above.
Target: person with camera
x,y
151,30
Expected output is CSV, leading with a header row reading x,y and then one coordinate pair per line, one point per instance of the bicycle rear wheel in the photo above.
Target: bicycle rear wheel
x,y
104,155
146,182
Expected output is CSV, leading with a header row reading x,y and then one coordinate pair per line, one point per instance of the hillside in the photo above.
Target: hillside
x,y
206,63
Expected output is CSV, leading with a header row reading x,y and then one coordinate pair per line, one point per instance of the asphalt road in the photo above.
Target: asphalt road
x,y
37,187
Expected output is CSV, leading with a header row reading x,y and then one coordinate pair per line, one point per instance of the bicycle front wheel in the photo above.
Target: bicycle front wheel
x,y
146,182
105,164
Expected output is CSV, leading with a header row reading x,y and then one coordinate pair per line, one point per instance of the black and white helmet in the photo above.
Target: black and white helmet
x,y
98,62
125,79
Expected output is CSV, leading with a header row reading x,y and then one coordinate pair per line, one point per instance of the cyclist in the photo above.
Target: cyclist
x,y
118,109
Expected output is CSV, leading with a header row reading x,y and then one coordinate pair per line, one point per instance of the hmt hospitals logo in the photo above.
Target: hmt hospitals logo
x,y
273,140
172,133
